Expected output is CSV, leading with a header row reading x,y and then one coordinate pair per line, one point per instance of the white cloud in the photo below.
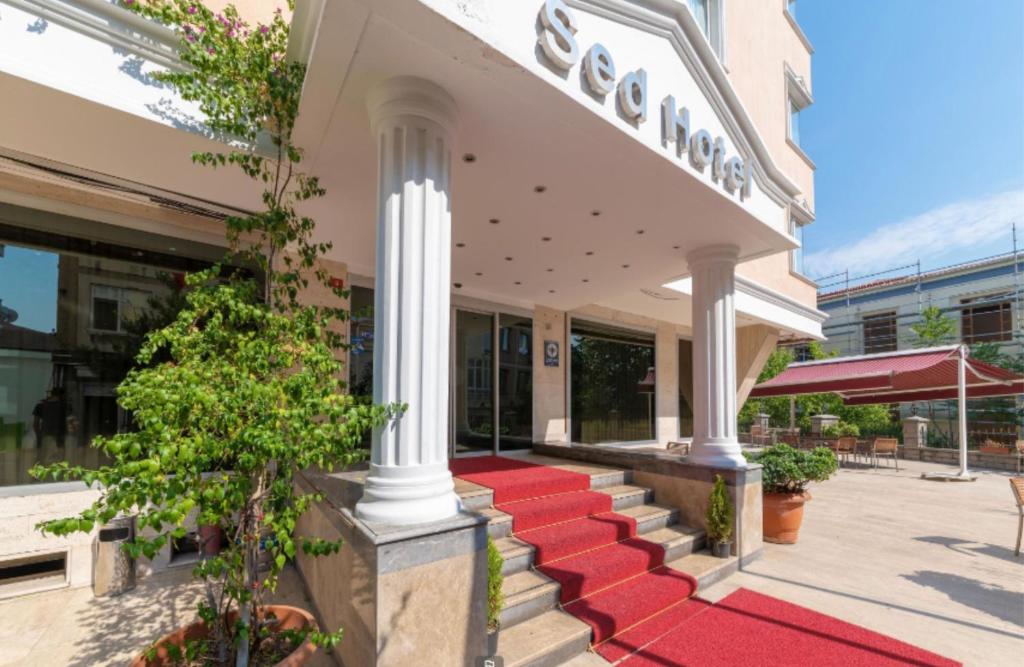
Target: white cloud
x,y
948,234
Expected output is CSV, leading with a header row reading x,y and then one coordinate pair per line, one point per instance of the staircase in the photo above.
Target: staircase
x,y
593,562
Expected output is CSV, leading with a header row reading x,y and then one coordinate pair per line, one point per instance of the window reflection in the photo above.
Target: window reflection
x,y
613,384
73,314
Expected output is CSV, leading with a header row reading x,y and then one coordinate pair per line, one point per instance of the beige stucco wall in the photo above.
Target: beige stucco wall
x,y
550,411
666,359
760,42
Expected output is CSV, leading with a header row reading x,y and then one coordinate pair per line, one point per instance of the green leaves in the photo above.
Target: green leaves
x,y
720,512
789,470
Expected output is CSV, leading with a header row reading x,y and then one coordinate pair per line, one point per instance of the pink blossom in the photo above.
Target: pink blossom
x,y
192,9
264,29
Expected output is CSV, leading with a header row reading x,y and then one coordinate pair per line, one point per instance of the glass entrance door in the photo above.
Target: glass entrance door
x,y
492,383
473,395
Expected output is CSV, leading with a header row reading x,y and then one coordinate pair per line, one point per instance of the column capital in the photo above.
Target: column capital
x,y
713,254
409,97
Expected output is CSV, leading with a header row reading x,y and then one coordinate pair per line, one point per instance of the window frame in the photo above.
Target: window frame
x,y
119,300
998,303
889,315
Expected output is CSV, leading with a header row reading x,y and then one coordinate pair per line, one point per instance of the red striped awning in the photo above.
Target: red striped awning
x,y
892,377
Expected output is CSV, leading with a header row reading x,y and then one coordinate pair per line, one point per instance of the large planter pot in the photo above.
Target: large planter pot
x,y
783,514
211,538
288,618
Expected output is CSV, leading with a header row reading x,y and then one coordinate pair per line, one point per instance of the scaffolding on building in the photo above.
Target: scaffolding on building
x,y
853,333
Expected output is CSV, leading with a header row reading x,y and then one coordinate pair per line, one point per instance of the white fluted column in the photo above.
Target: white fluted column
x,y
413,121
714,357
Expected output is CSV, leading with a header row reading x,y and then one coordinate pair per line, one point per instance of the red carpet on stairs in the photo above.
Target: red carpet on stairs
x,y
610,578
747,628
516,480
642,613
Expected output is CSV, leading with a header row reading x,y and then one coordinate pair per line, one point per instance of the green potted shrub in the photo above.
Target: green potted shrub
x,y
785,474
242,389
720,517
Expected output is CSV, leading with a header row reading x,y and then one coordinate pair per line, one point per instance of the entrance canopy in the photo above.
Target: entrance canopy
x,y
894,377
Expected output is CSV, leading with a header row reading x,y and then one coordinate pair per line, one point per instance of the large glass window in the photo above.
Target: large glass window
x,y
700,13
613,384
474,394
515,382
73,313
794,121
796,256
685,389
360,365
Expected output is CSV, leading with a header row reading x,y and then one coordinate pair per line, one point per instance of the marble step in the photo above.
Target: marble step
x,y
705,568
550,639
527,594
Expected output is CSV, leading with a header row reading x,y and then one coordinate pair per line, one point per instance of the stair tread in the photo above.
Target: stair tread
x,y
646,511
509,547
672,535
624,490
525,642
525,585
700,564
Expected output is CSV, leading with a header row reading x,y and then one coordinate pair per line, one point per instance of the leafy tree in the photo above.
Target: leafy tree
x,y
242,389
934,329
720,514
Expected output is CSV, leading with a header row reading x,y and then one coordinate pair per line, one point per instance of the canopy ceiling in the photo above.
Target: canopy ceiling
x,y
893,377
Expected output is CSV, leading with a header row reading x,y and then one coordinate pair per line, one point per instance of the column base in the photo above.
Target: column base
x,y
717,453
402,496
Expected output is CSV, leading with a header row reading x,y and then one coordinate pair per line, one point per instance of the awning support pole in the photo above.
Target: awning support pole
x,y
961,373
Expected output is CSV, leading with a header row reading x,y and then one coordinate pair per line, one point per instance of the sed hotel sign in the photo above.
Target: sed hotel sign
x,y
558,41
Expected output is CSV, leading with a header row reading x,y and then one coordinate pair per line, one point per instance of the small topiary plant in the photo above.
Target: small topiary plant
x,y
495,579
788,470
720,513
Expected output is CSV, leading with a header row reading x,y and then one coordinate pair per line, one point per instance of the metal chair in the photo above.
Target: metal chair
x,y
1017,486
845,447
886,447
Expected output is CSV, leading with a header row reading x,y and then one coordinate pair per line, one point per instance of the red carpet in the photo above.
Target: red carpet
x,y
516,480
641,612
644,633
610,578
592,571
619,608
538,512
747,628
565,539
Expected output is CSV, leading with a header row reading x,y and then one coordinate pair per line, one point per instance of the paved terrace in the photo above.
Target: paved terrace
x,y
930,563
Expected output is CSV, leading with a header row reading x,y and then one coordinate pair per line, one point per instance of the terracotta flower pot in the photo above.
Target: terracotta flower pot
x,y
211,538
783,513
289,618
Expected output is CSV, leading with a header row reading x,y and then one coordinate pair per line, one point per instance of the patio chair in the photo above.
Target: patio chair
x,y
1017,486
1020,454
845,448
885,447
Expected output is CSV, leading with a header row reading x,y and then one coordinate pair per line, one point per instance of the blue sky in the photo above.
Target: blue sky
x,y
917,131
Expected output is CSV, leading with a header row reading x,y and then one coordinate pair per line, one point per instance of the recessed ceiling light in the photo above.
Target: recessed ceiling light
x,y
625,266
458,285
550,270
675,247
479,273
540,188
508,259
546,238
494,221
469,157
460,245
586,280
595,213
589,253
551,291
639,231
518,283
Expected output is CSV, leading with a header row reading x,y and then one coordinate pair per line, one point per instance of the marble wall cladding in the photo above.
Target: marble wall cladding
x,y
395,590
749,519
434,614
550,423
689,496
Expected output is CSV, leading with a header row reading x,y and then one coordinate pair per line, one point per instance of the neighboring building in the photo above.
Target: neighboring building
x,y
622,184
983,298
